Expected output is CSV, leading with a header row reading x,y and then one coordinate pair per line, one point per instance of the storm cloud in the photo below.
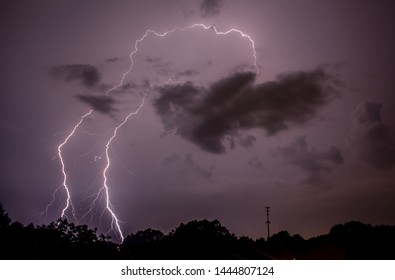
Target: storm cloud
x,y
102,104
371,136
312,161
88,75
210,117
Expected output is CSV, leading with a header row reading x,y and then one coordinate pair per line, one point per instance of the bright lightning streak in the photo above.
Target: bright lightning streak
x,y
164,34
64,184
105,185
244,35
115,220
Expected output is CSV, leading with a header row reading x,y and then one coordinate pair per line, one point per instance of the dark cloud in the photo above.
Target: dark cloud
x,y
175,104
367,113
313,162
371,136
209,117
187,73
102,104
210,8
112,59
128,86
333,155
87,75
153,60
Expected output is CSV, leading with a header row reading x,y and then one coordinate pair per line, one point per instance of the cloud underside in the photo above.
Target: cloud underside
x,y
209,117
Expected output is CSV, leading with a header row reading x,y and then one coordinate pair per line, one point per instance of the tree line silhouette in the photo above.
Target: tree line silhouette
x,y
203,239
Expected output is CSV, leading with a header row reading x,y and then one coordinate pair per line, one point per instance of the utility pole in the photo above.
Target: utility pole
x,y
268,221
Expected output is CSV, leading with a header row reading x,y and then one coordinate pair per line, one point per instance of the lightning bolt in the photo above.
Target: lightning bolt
x,y
115,222
196,25
60,155
105,171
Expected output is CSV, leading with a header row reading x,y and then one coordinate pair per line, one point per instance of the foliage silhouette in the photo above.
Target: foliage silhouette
x,y
194,240
60,240
144,244
4,218
201,240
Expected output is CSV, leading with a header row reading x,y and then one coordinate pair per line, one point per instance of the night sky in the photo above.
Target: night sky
x,y
311,134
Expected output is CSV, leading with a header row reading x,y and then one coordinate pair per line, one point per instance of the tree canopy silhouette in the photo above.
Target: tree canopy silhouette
x,y
194,240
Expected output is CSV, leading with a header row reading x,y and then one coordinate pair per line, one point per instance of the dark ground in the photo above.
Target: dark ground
x,y
203,240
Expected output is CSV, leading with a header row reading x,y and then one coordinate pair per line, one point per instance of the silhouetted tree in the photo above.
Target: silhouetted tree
x,y
4,232
144,244
353,240
246,248
284,246
4,218
202,240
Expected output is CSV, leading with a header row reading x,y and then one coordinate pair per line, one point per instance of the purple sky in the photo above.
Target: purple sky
x,y
312,135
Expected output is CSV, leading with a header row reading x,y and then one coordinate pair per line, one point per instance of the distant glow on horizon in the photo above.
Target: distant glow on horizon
x,y
115,224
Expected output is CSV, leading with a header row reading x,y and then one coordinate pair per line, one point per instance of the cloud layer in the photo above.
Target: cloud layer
x,y
210,117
